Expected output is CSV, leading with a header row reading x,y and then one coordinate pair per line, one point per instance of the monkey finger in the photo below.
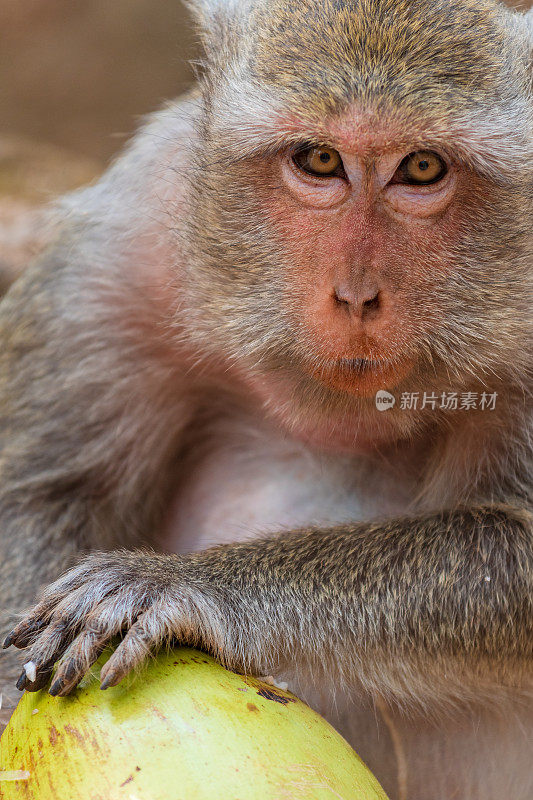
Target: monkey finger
x,y
46,649
24,633
143,636
35,620
78,659
104,622
43,676
62,624
42,680
67,588
42,673
41,615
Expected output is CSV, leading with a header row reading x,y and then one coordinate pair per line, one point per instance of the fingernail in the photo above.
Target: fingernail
x,y
70,670
21,683
56,687
108,681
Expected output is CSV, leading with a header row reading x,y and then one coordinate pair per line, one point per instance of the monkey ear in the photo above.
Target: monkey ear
x,y
210,14
222,24
529,23
523,25
529,27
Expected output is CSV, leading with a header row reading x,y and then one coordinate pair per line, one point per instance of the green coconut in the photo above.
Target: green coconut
x,y
186,729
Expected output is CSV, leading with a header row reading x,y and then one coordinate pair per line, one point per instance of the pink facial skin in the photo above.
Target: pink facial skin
x,y
365,253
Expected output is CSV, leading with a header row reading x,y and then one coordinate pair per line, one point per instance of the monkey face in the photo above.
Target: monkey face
x,y
363,253
368,207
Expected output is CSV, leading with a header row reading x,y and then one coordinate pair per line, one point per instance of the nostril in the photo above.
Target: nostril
x,y
364,302
341,298
346,296
372,304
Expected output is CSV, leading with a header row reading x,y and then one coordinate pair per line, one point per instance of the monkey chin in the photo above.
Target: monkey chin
x,y
338,416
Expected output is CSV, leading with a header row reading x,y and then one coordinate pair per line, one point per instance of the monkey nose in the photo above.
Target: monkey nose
x,y
362,301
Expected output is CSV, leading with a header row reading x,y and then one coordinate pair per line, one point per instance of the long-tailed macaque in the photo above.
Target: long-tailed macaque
x,y
269,390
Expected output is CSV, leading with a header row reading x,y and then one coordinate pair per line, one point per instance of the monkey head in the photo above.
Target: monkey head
x,y
362,199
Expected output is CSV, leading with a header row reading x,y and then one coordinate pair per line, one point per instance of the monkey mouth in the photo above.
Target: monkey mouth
x,y
361,376
360,365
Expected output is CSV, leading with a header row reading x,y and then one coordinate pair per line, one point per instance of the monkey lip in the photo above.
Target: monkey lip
x,y
361,376
360,365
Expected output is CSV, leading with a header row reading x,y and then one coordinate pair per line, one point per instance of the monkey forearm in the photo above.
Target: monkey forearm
x,y
456,584
459,581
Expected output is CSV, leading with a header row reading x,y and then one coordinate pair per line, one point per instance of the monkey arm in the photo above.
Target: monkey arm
x,y
89,421
455,586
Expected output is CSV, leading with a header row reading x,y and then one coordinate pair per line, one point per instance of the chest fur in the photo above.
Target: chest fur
x,y
239,482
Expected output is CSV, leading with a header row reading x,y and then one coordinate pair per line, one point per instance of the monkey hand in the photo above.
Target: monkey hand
x,y
151,598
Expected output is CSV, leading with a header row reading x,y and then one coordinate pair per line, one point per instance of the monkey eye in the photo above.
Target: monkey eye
x,y
324,162
421,169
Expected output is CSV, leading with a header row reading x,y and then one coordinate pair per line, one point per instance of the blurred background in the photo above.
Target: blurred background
x,y
78,73
75,78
